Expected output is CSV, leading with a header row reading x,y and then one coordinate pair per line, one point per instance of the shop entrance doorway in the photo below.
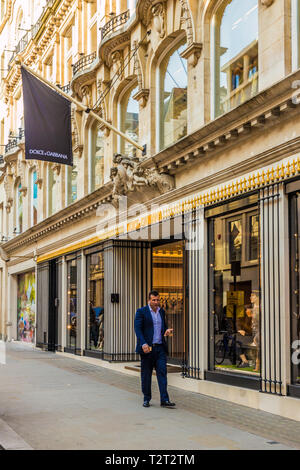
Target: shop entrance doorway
x,y
53,307
169,279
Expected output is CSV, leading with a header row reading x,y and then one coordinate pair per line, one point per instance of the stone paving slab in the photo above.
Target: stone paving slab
x,y
56,402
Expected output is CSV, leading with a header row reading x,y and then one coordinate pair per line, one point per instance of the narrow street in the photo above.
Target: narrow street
x,y
49,401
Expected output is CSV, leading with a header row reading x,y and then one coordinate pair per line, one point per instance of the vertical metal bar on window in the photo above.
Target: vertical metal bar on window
x,y
279,297
264,380
274,289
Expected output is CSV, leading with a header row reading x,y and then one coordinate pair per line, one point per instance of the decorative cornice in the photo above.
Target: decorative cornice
x,y
67,216
255,181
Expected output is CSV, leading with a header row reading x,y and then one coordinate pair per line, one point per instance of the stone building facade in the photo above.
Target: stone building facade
x,y
208,216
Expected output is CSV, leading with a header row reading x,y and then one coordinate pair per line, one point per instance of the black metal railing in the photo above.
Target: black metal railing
x,y
271,321
65,88
82,63
114,23
31,34
14,141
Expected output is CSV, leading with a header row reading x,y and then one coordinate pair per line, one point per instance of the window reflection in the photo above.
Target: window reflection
x,y
235,317
72,177
19,208
174,99
34,202
97,159
129,121
236,53
95,302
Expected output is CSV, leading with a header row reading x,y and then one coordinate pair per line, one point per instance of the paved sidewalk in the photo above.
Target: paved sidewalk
x,y
49,401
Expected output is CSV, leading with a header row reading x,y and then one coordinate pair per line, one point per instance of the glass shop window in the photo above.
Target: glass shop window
x,y
95,302
235,292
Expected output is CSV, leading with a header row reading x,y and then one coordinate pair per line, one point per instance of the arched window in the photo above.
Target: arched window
x,y
34,194
295,34
96,158
235,54
52,192
173,98
19,208
129,121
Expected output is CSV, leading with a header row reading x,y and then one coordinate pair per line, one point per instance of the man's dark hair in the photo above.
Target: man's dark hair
x,y
153,293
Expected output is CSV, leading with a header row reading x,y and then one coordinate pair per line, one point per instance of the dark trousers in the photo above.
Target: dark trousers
x,y
156,359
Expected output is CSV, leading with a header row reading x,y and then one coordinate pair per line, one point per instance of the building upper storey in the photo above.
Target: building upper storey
x,y
160,71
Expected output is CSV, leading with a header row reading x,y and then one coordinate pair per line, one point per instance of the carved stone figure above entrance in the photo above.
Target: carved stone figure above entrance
x,y
128,177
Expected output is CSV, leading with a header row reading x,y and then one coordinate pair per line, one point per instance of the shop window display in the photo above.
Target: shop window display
x,y
235,38
26,307
234,296
95,302
168,280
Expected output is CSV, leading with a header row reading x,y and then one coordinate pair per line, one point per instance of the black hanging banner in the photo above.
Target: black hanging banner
x,y
47,122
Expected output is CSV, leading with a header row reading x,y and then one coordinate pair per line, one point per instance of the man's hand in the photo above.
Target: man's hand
x,y
242,332
146,348
169,332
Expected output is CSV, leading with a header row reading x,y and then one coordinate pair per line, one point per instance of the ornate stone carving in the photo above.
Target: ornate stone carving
x,y
56,167
87,96
118,64
136,65
267,3
8,188
128,176
159,19
186,20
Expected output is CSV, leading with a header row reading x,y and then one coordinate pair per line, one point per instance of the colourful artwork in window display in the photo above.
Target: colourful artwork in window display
x,y
26,307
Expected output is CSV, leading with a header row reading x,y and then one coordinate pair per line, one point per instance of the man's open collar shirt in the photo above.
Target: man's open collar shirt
x,y
157,324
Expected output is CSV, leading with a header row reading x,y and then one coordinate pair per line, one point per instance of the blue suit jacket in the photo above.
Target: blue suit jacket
x,y
144,329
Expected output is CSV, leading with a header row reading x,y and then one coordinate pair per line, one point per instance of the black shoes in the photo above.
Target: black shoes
x,y
167,404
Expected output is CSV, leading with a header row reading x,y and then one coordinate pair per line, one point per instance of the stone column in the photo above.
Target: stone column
x,y
274,41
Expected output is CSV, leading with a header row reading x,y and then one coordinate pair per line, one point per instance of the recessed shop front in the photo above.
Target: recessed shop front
x,y
234,293
169,279
95,302
73,319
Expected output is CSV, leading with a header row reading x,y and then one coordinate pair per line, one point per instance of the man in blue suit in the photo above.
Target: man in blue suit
x,y
151,329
